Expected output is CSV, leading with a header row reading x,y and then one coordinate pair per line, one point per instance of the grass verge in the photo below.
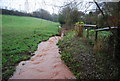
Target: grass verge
x,y
79,56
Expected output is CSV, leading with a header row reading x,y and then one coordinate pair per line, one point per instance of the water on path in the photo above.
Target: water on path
x,y
45,64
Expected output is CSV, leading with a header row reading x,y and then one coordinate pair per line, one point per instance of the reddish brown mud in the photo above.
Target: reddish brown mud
x,y
45,64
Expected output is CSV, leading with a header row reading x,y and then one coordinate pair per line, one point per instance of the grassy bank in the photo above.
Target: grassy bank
x,y
85,63
20,37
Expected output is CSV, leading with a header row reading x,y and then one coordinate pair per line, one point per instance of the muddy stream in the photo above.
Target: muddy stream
x,y
45,64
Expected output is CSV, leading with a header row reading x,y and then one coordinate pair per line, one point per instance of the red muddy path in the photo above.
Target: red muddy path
x,y
45,64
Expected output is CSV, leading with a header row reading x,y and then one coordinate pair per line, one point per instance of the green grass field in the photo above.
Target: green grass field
x,y
21,36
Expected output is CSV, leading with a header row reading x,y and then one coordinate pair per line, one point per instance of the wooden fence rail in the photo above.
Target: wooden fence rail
x,y
87,26
104,29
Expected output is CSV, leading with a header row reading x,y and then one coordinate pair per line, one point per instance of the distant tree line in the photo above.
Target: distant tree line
x,y
13,12
40,13
69,15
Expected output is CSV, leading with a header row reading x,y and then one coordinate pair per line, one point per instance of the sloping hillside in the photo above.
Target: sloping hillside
x,y
21,36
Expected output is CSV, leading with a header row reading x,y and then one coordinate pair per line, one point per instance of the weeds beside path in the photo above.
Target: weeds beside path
x,y
85,64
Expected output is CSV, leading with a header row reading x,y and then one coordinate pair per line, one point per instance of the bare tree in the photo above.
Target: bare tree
x,y
69,14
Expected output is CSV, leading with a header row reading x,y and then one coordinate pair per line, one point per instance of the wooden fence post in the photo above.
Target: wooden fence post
x,y
87,33
96,34
80,32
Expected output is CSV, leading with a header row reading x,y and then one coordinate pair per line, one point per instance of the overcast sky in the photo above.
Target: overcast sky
x,y
32,5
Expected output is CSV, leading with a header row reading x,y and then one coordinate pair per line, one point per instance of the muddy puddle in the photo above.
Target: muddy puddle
x,y
45,64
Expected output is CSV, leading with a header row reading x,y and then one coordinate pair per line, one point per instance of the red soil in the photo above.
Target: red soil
x,y
45,64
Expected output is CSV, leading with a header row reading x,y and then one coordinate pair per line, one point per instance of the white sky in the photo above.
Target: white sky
x,y
33,5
